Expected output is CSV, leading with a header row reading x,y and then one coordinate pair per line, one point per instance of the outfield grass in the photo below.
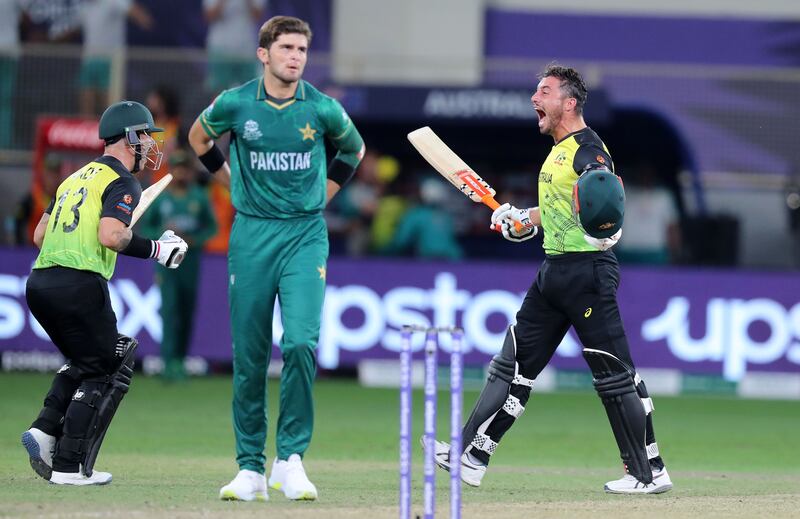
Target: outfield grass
x,y
171,448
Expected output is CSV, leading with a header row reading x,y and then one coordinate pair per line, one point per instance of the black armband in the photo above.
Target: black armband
x,y
140,248
340,171
213,159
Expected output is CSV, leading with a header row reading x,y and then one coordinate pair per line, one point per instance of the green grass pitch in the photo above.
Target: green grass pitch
x,y
170,448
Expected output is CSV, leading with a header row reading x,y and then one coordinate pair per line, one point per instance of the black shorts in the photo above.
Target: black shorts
x,y
74,308
577,289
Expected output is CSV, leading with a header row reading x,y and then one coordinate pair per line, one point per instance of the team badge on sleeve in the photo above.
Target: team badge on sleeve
x,y
124,204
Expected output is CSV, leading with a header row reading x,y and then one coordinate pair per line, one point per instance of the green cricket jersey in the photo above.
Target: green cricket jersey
x,y
102,188
277,155
558,175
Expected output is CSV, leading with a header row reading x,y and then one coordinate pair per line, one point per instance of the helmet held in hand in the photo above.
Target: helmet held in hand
x,y
598,202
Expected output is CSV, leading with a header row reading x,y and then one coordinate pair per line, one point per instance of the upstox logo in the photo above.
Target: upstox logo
x,y
279,161
727,336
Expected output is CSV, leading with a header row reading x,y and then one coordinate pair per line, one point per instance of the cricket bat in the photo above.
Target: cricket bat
x,y
453,168
148,197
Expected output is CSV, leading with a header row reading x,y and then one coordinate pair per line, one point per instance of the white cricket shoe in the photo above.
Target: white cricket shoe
x,y
41,447
248,485
472,472
290,477
630,485
80,479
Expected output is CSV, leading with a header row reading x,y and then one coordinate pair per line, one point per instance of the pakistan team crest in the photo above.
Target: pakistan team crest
x,y
251,131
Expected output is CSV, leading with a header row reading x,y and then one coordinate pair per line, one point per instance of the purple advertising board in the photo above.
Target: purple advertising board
x,y
719,322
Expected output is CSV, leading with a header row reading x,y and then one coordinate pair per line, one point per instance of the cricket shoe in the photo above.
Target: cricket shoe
x,y
40,447
289,477
248,485
472,470
80,479
630,485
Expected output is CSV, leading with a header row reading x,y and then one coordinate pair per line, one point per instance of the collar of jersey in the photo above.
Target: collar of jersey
x,y
299,94
115,164
573,134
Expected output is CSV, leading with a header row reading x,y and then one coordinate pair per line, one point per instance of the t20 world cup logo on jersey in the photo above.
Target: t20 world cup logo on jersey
x,y
251,131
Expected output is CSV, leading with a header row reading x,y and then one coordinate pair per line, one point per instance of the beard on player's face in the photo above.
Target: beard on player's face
x,y
550,118
287,76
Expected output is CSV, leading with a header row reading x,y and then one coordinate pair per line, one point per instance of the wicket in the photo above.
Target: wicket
x,y
429,466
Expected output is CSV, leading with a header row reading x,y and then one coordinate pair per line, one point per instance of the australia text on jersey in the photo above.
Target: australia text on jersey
x,y
280,161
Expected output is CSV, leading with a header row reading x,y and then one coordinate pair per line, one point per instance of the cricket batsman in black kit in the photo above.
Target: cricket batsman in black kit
x,y
79,237
581,209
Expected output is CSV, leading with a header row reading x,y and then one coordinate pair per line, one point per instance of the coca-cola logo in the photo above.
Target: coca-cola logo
x,y
70,133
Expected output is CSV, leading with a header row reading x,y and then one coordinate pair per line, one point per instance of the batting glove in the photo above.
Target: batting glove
x,y
603,243
506,217
170,250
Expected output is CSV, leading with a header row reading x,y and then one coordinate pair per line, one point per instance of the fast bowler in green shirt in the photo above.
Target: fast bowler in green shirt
x,y
280,183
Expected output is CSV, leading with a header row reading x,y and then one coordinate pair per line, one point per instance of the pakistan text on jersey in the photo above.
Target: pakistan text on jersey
x,y
280,161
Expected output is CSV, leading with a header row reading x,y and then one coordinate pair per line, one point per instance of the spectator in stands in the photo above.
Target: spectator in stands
x,y
365,213
426,230
232,27
391,206
10,15
184,207
31,208
164,104
353,209
652,233
51,21
104,36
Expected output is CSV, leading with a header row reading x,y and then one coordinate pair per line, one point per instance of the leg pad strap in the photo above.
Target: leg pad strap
x,y
484,443
513,406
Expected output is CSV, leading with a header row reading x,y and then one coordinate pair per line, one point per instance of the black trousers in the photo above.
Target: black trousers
x,y
580,290
74,308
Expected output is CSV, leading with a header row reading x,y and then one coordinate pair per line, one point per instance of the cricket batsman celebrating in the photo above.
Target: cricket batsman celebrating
x,y
279,186
576,286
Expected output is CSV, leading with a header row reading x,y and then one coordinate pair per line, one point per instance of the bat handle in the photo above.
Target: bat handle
x,y
494,204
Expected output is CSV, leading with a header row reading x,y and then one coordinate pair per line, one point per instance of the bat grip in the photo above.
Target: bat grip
x,y
494,204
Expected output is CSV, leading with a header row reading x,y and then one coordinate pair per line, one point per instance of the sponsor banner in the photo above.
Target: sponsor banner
x,y
69,133
703,322
507,105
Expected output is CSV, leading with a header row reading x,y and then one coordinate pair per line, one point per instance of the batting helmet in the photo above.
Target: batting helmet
x,y
598,202
125,117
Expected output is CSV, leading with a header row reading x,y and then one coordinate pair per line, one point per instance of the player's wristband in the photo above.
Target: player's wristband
x,y
213,159
340,171
141,248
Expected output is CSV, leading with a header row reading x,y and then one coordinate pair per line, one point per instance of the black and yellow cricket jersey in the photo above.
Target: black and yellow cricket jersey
x,y
102,188
558,175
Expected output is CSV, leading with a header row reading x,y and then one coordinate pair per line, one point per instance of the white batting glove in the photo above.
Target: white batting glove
x,y
603,243
170,250
514,223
